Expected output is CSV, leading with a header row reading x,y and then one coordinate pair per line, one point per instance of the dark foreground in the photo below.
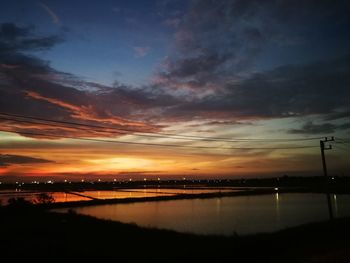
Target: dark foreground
x,y
33,233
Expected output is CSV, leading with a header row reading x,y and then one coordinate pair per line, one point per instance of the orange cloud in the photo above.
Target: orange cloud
x,y
87,113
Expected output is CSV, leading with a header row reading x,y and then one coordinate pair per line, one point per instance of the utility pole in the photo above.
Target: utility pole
x,y
324,165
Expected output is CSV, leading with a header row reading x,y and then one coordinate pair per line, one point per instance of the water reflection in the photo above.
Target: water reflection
x,y
224,216
105,194
218,205
277,207
30,196
66,197
335,205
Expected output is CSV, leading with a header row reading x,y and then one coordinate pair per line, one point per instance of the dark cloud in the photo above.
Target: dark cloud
x,y
337,115
10,32
8,159
219,43
293,90
220,123
311,128
190,66
30,86
51,96
216,41
15,39
324,128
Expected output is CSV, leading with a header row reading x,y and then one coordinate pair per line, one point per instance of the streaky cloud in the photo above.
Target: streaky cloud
x,y
10,159
54,17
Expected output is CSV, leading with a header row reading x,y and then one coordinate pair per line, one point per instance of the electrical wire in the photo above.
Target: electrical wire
x,y
155,144
155,134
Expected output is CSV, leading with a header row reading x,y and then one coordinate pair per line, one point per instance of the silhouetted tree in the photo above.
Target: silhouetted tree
x,y
44,198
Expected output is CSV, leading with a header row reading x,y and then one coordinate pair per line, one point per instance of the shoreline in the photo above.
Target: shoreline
x,y
183,196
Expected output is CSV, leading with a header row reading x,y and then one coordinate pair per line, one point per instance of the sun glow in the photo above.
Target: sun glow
x,y
121,163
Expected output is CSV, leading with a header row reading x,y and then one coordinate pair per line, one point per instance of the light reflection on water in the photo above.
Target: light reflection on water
x,y
227,215
105,194
120,194
181,191
30,196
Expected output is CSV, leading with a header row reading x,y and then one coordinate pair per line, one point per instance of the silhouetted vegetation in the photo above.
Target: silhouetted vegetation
x,y
44,198
18,202
43,235
18,205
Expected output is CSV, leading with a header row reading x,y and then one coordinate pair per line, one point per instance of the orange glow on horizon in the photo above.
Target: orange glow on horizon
x,y
76,159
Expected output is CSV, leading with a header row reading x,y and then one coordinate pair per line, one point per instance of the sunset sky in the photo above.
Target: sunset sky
x,y
173,88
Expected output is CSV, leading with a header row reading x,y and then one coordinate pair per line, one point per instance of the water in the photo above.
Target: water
x,y
105,194
81,196
31,196
227,215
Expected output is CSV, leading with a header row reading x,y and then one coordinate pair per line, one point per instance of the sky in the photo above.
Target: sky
x,y
173,88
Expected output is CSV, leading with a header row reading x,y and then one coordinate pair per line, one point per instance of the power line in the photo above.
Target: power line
x,y
58,125
345,144
156,144
342,145
95,130
343,140
342,148
158,134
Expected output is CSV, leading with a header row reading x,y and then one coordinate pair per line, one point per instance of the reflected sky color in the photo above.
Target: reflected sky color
x,y
224,216
58,197
231,69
